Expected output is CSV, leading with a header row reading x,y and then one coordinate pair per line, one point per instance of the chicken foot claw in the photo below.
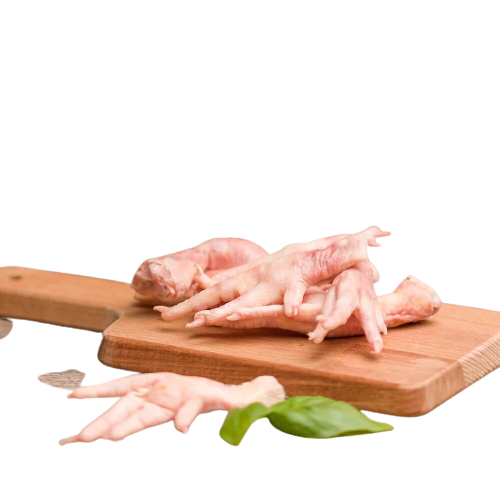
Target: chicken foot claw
x,y
201,279
151,399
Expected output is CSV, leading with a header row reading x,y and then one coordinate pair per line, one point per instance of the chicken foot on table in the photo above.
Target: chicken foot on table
x,y
371,234
412,301
352,293
170,279
282,280
151,399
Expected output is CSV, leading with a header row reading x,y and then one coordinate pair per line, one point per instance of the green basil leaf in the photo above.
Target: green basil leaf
x,y
320,417
239,420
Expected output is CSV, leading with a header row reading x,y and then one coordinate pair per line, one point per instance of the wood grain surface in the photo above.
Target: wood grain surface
x,y
422,364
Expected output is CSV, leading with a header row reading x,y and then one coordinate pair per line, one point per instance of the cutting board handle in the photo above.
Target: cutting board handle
x,y
61,299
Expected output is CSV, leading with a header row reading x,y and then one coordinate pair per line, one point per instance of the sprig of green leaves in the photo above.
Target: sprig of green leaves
x,y
304,416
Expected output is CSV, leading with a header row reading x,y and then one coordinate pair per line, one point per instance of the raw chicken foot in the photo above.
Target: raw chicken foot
x,y
170,279
151,399
282,280
412,301
352,293
371,234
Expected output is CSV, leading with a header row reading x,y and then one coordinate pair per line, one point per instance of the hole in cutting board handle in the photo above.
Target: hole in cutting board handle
x,y
16,277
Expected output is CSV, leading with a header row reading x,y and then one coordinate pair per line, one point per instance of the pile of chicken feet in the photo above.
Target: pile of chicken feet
x,y
324,288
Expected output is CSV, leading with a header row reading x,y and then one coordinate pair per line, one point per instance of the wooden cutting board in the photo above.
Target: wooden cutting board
x,y
422,365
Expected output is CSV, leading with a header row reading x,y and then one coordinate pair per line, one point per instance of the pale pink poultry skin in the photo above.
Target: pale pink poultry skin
x,y
352,293
170,279
412,301
283,279
274,290
371,234
151,399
